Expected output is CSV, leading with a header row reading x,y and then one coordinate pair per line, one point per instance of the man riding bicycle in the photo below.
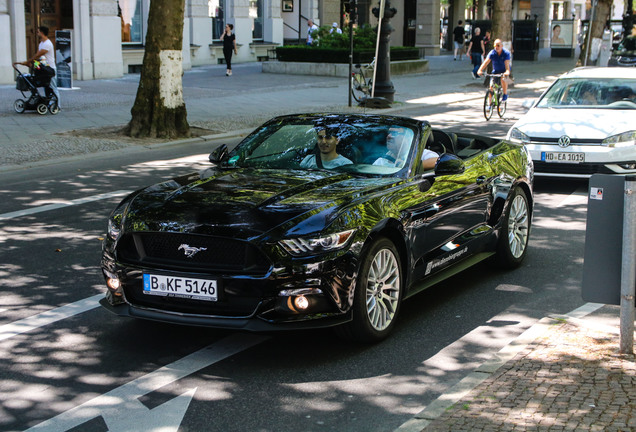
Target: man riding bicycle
x,y
500,58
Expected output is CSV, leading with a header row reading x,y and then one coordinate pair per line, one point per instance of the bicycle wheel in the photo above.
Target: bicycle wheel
x,y
359,87
501,106
488,105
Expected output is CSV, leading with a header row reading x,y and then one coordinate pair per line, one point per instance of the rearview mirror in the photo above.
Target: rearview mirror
x,y
449,164
218,154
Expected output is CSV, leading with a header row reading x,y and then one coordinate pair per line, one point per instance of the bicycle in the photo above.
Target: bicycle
x,y
494,97
360,85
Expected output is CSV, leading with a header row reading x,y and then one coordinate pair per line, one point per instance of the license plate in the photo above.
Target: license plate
x,y
562,157
181,287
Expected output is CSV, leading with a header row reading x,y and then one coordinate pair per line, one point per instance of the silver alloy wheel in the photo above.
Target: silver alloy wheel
x,y
383,289
518,224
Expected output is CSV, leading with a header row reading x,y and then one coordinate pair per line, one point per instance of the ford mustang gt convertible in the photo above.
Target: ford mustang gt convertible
x,y
318,220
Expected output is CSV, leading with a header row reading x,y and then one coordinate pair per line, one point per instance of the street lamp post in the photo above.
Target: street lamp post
x,y
383,85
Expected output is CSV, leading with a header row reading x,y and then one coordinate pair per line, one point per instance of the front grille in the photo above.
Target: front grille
x,y
573,141
561,168
168,251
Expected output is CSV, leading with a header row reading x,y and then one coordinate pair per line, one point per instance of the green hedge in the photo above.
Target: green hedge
x,y
304,53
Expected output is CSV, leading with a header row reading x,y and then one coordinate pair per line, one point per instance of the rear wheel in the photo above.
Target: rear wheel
x,y
378,294
515,231
42,109
501,107
488,105
19,105
53,108
359,87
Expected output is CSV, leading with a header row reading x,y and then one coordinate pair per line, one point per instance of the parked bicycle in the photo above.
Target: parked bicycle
x,y
494,97
360,84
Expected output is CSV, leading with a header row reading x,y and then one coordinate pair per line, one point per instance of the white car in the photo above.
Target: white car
x,y
584,124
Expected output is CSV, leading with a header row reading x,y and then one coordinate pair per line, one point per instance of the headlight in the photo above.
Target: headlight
x,y
306,246
516,135
621,140
114,226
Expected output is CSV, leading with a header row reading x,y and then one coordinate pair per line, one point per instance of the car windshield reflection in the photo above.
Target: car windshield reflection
x,y
591,93
332,143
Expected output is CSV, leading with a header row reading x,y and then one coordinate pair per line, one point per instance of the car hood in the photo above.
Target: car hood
x,y
244,203
575,122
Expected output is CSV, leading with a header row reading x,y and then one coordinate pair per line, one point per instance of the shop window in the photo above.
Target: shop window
x,y
216,11
129,12
256,13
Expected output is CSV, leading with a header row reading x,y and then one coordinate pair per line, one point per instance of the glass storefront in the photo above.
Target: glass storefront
x,y
256,13
216,13
131,20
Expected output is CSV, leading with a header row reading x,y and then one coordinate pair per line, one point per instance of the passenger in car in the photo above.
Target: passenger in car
x,y
329,158
397,151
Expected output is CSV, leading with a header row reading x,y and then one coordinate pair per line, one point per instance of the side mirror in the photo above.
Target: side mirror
x,y
449,164
218,154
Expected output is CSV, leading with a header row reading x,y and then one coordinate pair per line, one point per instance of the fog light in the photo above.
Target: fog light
x,y
113,283
301,302
628,166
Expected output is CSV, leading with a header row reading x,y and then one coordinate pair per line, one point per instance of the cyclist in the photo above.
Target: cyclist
x,y
500,58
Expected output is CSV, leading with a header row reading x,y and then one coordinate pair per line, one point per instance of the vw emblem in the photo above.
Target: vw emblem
x,y
190,251
564,141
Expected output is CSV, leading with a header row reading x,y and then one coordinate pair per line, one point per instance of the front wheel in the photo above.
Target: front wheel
x,y
488,108
378,294
359,87
19,106
515,231
501,107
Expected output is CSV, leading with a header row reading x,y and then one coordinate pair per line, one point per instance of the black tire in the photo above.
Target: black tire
x,y
42,109
488,108
502,105
515,231
53,108
359,87
378,294
19,106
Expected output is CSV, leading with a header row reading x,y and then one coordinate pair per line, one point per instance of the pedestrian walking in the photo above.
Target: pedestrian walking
x,y
476,51
458,38
229,46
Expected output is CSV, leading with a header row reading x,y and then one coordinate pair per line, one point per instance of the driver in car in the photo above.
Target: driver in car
x,y
329,158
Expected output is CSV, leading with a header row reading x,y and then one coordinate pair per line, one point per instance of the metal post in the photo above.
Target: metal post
x,y
628,268
352,17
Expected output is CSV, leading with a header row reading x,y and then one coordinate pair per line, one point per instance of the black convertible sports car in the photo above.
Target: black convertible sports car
x,y
318,220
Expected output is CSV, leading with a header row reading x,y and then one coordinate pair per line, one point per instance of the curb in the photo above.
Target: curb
x,y
454,394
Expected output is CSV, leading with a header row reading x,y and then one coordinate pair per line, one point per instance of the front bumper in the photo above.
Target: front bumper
x,y
598,159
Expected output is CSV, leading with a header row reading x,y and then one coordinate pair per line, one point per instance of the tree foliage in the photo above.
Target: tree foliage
x,y
159,109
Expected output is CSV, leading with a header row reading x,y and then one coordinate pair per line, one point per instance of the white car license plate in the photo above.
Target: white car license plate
x,y
175,286
562,157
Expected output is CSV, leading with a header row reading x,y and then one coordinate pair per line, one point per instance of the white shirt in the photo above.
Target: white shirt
x,y
50,52
310,30
310,162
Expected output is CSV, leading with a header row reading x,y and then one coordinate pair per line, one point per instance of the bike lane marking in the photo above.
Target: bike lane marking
x,y
55,206
45,318
121,409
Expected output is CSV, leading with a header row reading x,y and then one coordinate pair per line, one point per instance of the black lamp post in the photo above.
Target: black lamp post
x,y
383,85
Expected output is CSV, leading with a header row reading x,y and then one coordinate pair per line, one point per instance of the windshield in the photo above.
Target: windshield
x,y
351,144
611,93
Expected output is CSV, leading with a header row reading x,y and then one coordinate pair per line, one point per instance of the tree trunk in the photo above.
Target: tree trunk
x,y
159,110
601,15
502,22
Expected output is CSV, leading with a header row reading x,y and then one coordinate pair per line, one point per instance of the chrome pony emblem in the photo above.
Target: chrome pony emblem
x,y
564,141
191,251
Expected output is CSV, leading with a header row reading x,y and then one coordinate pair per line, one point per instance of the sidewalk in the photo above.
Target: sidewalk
x,y
564,374
220,104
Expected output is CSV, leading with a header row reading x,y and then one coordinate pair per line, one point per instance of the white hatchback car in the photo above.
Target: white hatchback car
x,y
584,124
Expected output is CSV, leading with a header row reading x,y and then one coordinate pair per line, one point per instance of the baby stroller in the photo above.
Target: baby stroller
x,y
29,83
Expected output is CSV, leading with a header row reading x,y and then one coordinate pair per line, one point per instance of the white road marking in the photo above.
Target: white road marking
x,y
121,409
48,207
45,318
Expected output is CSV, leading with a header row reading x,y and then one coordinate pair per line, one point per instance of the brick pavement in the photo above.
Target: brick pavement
x,y
570,378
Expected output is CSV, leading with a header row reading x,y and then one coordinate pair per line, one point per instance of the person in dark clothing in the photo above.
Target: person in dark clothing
x,y
458,38
476,51
229,45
